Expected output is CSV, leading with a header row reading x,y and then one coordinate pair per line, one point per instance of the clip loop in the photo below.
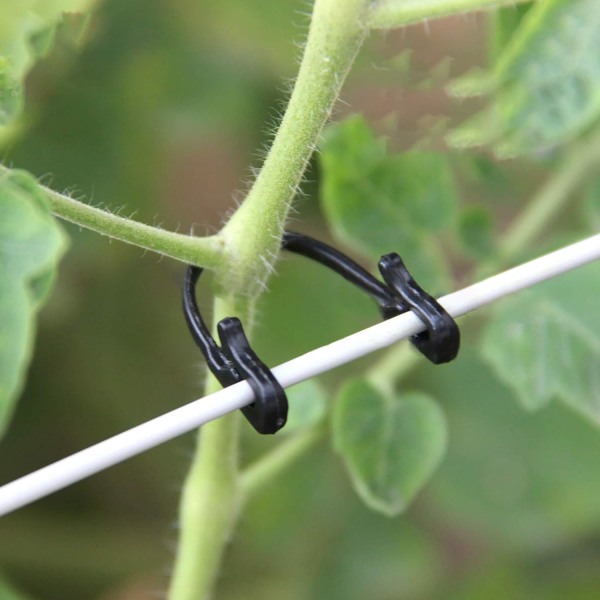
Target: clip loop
x,y
439,343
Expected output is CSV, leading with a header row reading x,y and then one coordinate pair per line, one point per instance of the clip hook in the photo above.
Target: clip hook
x,y
440,342
235,361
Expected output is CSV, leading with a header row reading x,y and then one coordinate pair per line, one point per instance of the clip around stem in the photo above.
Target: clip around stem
x,y
235,361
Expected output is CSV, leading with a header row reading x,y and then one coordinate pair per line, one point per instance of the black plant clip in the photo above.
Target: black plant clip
x,y
440,341
235,360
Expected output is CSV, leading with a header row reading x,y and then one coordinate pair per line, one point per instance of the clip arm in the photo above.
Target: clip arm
x,y
440,342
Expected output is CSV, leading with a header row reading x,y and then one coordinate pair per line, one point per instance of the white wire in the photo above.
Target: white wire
x,y
114,450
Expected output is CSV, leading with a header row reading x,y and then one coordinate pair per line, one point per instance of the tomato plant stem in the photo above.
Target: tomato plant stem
x,y
202,251
254,232
575,168
210,502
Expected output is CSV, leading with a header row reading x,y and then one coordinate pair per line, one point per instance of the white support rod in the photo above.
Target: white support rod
x,y
125,445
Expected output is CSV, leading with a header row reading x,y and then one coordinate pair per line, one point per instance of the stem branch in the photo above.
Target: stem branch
x,y
268,467
211,499
389,14
552,197
394,365
254,232
210,503
201,251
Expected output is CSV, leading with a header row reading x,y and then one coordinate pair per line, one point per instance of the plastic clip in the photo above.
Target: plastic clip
x,y
440,342
235,361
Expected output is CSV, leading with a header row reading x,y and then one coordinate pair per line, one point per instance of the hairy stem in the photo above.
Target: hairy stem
x,y
393,366
201,251
210,503
388,14
211,500
580,161
254,232
275,462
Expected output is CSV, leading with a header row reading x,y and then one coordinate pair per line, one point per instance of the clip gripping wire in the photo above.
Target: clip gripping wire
x,y
142,437
235,360
440,341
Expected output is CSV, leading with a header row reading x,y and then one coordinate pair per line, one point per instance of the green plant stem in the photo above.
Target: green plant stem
x,y
387,14
393,366
254,232
576,166
211,499
265,469
210,503
202,251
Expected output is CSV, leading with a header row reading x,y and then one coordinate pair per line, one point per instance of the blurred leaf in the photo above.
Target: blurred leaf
x,y
10,92
413,76
545,343
8,593
511,479
488,181
381,203
475,83
307,405
590,206
392,560
572,574
390,444
26,34
31,244
476,232
546,82
488,579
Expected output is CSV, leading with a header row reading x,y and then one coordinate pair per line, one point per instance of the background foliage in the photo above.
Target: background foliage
x,y
155,107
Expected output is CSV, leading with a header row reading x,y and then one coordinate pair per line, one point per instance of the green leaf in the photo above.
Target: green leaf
x,y
7,592
381,203
545,343
476,233
590,206
31,244
26,33
391,445
512,480
546,82
10,92
307,405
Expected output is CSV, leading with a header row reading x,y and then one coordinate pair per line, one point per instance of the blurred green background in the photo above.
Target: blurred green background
x,y
160,117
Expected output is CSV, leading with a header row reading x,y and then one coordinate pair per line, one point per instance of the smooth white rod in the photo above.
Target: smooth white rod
x,y
114,450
